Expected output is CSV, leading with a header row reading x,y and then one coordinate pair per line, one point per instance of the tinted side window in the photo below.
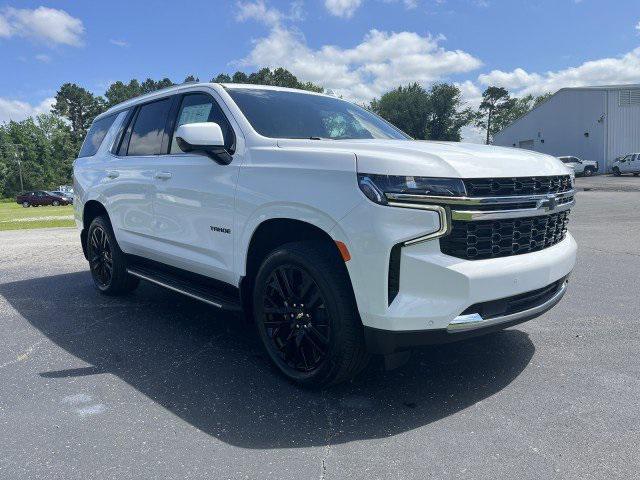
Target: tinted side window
x,y
147,132
96,134
200,107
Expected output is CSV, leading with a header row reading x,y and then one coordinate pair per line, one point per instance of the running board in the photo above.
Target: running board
x,y
187,287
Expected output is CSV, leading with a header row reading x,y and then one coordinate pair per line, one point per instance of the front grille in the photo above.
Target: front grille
x,y
501,238
515,304
506,187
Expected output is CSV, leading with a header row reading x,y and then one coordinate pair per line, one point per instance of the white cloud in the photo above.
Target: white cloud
x,y
637,26
259,11
41,57
380,62
604,71
17,110
119,43
44,24
342,8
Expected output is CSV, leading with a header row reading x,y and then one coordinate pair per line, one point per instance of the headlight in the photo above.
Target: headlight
x,y
376,187
572,177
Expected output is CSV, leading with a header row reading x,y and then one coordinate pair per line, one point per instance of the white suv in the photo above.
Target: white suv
x,y
335,232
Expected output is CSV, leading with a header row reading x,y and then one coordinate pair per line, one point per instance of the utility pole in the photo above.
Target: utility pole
x,y
15,154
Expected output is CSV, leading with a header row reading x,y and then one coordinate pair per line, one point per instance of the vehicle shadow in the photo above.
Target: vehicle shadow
x,y
209,370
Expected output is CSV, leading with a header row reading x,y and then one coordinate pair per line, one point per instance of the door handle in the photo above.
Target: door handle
x,y
113,174
163,175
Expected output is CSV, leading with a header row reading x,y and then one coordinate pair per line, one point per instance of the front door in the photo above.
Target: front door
x,y
626,164
194,202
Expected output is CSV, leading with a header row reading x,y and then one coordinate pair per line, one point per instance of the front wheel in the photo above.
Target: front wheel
x,y
106,261
56,203
588,172
306,315
25,204
616,172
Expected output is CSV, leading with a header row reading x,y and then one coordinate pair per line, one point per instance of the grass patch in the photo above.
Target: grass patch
x,y
16,217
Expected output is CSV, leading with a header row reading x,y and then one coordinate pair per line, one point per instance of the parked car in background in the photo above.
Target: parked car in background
x,y
627,164
60,193
579,166
37,198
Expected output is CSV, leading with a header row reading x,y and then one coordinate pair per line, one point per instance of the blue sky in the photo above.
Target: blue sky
x,y
359,48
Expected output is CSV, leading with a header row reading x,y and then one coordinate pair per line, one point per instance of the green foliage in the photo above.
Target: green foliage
x,y
280,77
119,92
436,114
45,148
79,106
513,110
496,102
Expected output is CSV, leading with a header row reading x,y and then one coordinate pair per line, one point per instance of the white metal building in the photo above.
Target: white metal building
x,y
593,123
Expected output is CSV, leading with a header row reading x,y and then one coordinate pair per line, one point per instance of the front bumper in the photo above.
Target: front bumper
x,y
461,327
435,289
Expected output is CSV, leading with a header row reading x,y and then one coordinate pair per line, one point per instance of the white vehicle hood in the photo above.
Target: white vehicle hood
x,y
438,159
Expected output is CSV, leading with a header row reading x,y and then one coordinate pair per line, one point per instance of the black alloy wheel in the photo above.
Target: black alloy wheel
x,y
306,314
100,257
296,319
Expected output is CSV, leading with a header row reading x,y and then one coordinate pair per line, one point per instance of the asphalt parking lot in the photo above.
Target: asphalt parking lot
x,y
154,385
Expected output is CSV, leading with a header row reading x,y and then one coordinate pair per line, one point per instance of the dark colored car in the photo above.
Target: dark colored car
x,y
41,197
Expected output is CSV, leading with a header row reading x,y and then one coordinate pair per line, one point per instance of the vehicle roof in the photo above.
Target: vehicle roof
x,y
177,88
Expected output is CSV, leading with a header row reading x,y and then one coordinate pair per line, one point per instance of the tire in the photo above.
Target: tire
x,y
107,262
323,344
616,172
636,174
588,172
56,203
25,205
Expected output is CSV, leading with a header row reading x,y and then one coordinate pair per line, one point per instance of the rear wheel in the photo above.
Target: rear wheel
x,y
616,171
636,174
106,261
588,172
25,204
56,203
306,315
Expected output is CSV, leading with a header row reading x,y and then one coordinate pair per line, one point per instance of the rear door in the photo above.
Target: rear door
x,y
194,203
131,176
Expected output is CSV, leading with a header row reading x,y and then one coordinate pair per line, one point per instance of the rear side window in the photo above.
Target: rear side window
x,y
148,129
96,134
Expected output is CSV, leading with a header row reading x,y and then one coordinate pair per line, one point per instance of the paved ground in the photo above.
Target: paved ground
x,y
609,183
154,385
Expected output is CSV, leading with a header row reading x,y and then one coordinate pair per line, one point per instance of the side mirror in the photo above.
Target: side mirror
x,y
205,137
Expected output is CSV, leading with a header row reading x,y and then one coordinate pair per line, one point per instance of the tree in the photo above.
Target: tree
x,y
79,106
495,102
447,114
280,77
46,149
221,78
405,107
191,78
119,92
436,114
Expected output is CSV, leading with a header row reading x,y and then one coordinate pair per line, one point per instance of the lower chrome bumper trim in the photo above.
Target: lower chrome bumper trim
x,y
465,323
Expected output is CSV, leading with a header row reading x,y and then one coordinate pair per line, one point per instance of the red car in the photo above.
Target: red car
x,y
41,197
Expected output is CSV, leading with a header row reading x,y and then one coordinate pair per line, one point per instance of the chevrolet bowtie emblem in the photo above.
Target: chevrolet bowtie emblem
x,y
550,203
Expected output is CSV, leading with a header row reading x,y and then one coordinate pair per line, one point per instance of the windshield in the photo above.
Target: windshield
x,y
282,114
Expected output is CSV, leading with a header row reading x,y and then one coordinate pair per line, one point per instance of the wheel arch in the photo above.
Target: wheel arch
x,y
272,233
91,209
